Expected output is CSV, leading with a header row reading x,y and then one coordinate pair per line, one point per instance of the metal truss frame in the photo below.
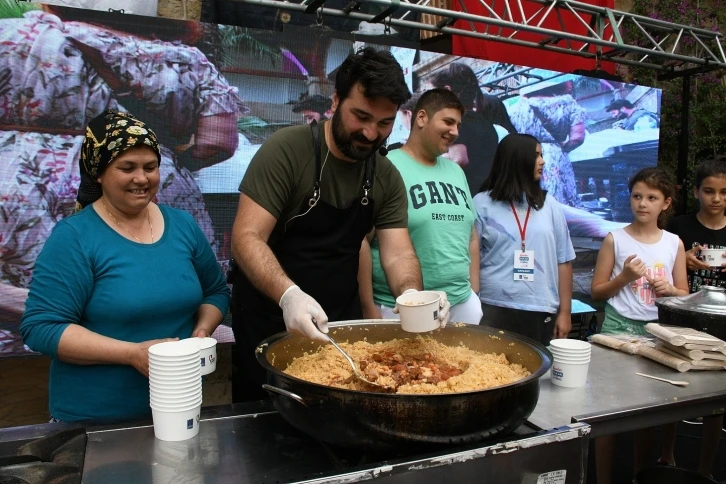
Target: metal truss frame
x,y
664,46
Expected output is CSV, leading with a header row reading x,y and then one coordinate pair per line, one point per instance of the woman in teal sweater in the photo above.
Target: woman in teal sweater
x,y
120,275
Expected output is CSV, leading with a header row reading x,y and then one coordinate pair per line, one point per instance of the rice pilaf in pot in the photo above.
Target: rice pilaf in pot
x,y
419,365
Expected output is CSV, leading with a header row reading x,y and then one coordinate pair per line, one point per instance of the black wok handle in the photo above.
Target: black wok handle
x,y
285,393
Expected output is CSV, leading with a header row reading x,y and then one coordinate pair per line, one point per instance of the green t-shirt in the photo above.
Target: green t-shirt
x,y
281,176
440,220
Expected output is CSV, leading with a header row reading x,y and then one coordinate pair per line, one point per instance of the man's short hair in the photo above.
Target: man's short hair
x,y
411,103
378,73
618,104
316,103
434,100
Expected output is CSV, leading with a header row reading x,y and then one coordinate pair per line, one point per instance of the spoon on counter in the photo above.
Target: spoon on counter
x,y
678,383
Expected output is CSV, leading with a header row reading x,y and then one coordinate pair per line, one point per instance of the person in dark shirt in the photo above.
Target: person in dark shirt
x,y
707,228
478,139
704,229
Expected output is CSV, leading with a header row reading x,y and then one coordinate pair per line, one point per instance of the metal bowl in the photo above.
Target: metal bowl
x,y
383,421
704,311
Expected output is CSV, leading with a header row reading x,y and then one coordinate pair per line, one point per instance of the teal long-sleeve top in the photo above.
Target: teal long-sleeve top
x,y
88,274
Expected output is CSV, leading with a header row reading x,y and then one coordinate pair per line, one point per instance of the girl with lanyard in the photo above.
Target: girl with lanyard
x,y
526,251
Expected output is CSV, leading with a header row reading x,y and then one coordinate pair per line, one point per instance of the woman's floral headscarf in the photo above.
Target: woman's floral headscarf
x,y
108,135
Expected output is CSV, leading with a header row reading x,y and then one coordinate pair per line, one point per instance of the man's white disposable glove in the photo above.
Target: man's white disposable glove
x,y
444,306
303,314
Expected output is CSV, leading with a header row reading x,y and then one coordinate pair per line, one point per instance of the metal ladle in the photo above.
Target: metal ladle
x,y
356,372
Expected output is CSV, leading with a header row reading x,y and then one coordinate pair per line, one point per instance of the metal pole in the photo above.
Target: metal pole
x,y
683,146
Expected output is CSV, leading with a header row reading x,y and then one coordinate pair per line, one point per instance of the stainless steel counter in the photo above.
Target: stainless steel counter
x,y
251,443
615,399
263,449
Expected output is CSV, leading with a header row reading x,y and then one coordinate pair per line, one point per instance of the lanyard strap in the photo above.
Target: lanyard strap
x,y
522,230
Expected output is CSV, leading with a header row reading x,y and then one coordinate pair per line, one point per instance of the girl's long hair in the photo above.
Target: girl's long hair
x,y
512,174
657,179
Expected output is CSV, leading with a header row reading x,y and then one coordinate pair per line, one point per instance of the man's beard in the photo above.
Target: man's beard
x,y
344,141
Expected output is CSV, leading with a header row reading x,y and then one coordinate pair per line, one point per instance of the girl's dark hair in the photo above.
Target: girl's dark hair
x,y
716,167
512,173
658,179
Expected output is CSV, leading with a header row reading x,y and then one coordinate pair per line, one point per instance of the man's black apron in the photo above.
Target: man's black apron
x,y
319,251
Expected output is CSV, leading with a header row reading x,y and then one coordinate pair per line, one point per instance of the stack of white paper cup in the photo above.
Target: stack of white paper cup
x,y
571,360
207,354
175,389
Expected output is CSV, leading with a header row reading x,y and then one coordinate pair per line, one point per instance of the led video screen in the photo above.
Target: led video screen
x,y
61,67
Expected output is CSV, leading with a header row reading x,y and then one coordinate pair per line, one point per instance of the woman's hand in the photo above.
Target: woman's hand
x,y
200,333
139,355
633,268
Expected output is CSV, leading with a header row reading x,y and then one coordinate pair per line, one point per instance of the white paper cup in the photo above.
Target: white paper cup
x,y
185,373
174,373
569,352
155,374
162,404
174,349
561,359
207,354
167,393
419,311
170,392
168,365
176,407
579,356
171,384
173,360
571,345
176,426
178,389
570,375
713,257
180,395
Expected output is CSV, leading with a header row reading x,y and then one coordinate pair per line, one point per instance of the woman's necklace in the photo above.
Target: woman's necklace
x,y
148,218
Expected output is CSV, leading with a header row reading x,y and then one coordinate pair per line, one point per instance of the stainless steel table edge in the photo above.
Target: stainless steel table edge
x,y
390,468
36,431
645,416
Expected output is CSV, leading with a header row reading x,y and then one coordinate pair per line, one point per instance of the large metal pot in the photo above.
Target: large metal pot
x,y
704,310
383,421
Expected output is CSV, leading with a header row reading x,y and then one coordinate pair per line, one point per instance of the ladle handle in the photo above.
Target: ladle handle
x,y
342,352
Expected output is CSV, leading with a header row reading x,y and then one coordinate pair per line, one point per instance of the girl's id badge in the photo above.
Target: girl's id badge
x,y
524,265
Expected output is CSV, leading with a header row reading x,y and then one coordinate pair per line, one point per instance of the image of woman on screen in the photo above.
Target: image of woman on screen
x,y
547,111
55,76
120,275
478,138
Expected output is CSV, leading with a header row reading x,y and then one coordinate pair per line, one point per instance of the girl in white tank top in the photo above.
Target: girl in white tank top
x,y
635,265
640,262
